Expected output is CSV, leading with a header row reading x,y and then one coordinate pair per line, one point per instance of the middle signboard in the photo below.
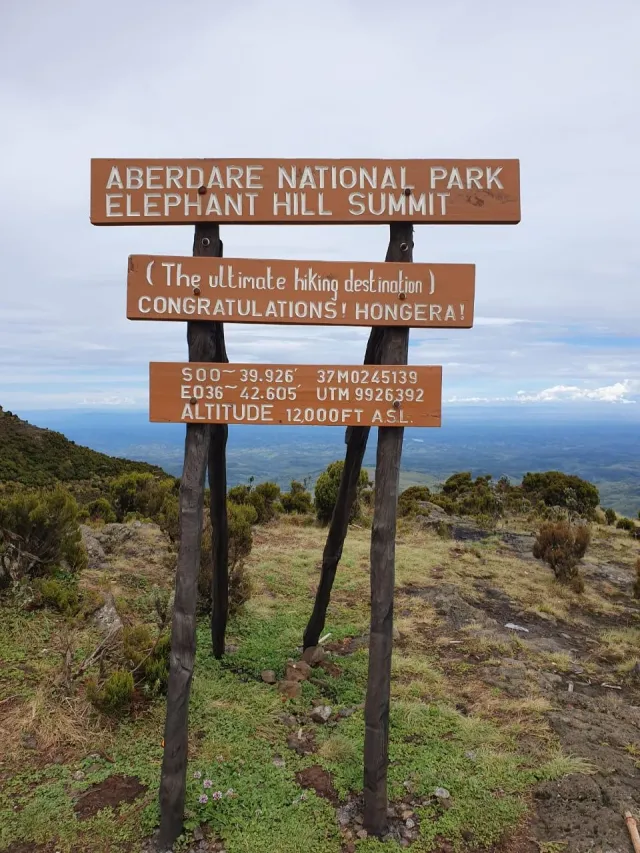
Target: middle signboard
x,y
336,293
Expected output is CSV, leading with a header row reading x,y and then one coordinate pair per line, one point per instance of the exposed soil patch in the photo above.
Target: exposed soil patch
x,y
316,777
348,646
111,792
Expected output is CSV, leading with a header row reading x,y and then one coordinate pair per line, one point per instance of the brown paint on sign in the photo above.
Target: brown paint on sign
x,y
302,292
328,395
157,192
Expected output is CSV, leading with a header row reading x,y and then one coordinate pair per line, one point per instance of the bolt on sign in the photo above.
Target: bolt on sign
x,y
300,292
329,395
157,192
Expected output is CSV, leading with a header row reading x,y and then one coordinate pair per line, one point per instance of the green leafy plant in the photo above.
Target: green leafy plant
x,y
326,492
409,500
297,500
610,515
554,488
115,695
101,510
39,532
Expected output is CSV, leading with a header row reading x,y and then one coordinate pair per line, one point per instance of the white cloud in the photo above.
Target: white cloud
x,y
293,79
620,392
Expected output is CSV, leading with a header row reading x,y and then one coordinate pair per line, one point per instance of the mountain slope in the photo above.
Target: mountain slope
x,y
40,457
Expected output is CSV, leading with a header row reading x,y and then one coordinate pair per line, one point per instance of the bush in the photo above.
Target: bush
x,y
409,500
58,595
240,517
326,492
39,532
263,498
461,495
562,545
625,524
101,510
610,515
148,658
143,494
457,483
297,500
566,490
115,695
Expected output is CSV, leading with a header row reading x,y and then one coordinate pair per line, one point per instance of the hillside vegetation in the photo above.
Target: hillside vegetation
x,y
39,457
514,721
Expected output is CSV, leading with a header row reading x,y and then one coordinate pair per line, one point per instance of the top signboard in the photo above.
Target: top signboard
x,y
178,192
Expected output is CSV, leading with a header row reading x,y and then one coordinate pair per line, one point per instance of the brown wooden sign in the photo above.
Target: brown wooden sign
x,y
301,292
295,394
157,192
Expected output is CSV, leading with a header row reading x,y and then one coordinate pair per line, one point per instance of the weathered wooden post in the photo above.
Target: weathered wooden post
x,y
203,340
356,440
395,348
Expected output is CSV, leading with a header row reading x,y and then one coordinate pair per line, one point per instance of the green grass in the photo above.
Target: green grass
x,y
238,727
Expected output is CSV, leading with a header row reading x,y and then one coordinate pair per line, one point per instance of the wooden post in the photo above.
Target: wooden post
x,y
219,523
395,347
356,439
200,337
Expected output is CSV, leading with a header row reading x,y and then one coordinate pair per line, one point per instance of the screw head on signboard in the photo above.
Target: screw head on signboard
x,y
193,401
206,241
407,190
202,190
402,295
404,247
396,404
196,290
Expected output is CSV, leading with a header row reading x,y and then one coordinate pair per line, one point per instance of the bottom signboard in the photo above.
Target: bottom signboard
x,y
295,394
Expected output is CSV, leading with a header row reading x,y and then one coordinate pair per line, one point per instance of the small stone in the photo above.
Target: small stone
x,y
198,834
321,714
396,634
278,762
513,627
404,842
290,689
359,819
407,814
362,833
409,823
78,775
268,676
442,793
313,655
471,754
348,834
346,712
350,848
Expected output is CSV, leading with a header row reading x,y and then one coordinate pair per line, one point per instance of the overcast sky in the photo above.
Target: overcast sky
x,y
554,83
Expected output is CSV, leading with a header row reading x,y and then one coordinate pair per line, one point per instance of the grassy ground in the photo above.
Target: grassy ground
x,y
84,782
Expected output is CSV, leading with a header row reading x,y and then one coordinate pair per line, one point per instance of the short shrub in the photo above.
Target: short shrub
x,y
39,532
58,595
101,510
115,695
610,515
264,498
297,500
326,492
143,494
240,517
625,524
409,500
562,545
148,658
566,490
